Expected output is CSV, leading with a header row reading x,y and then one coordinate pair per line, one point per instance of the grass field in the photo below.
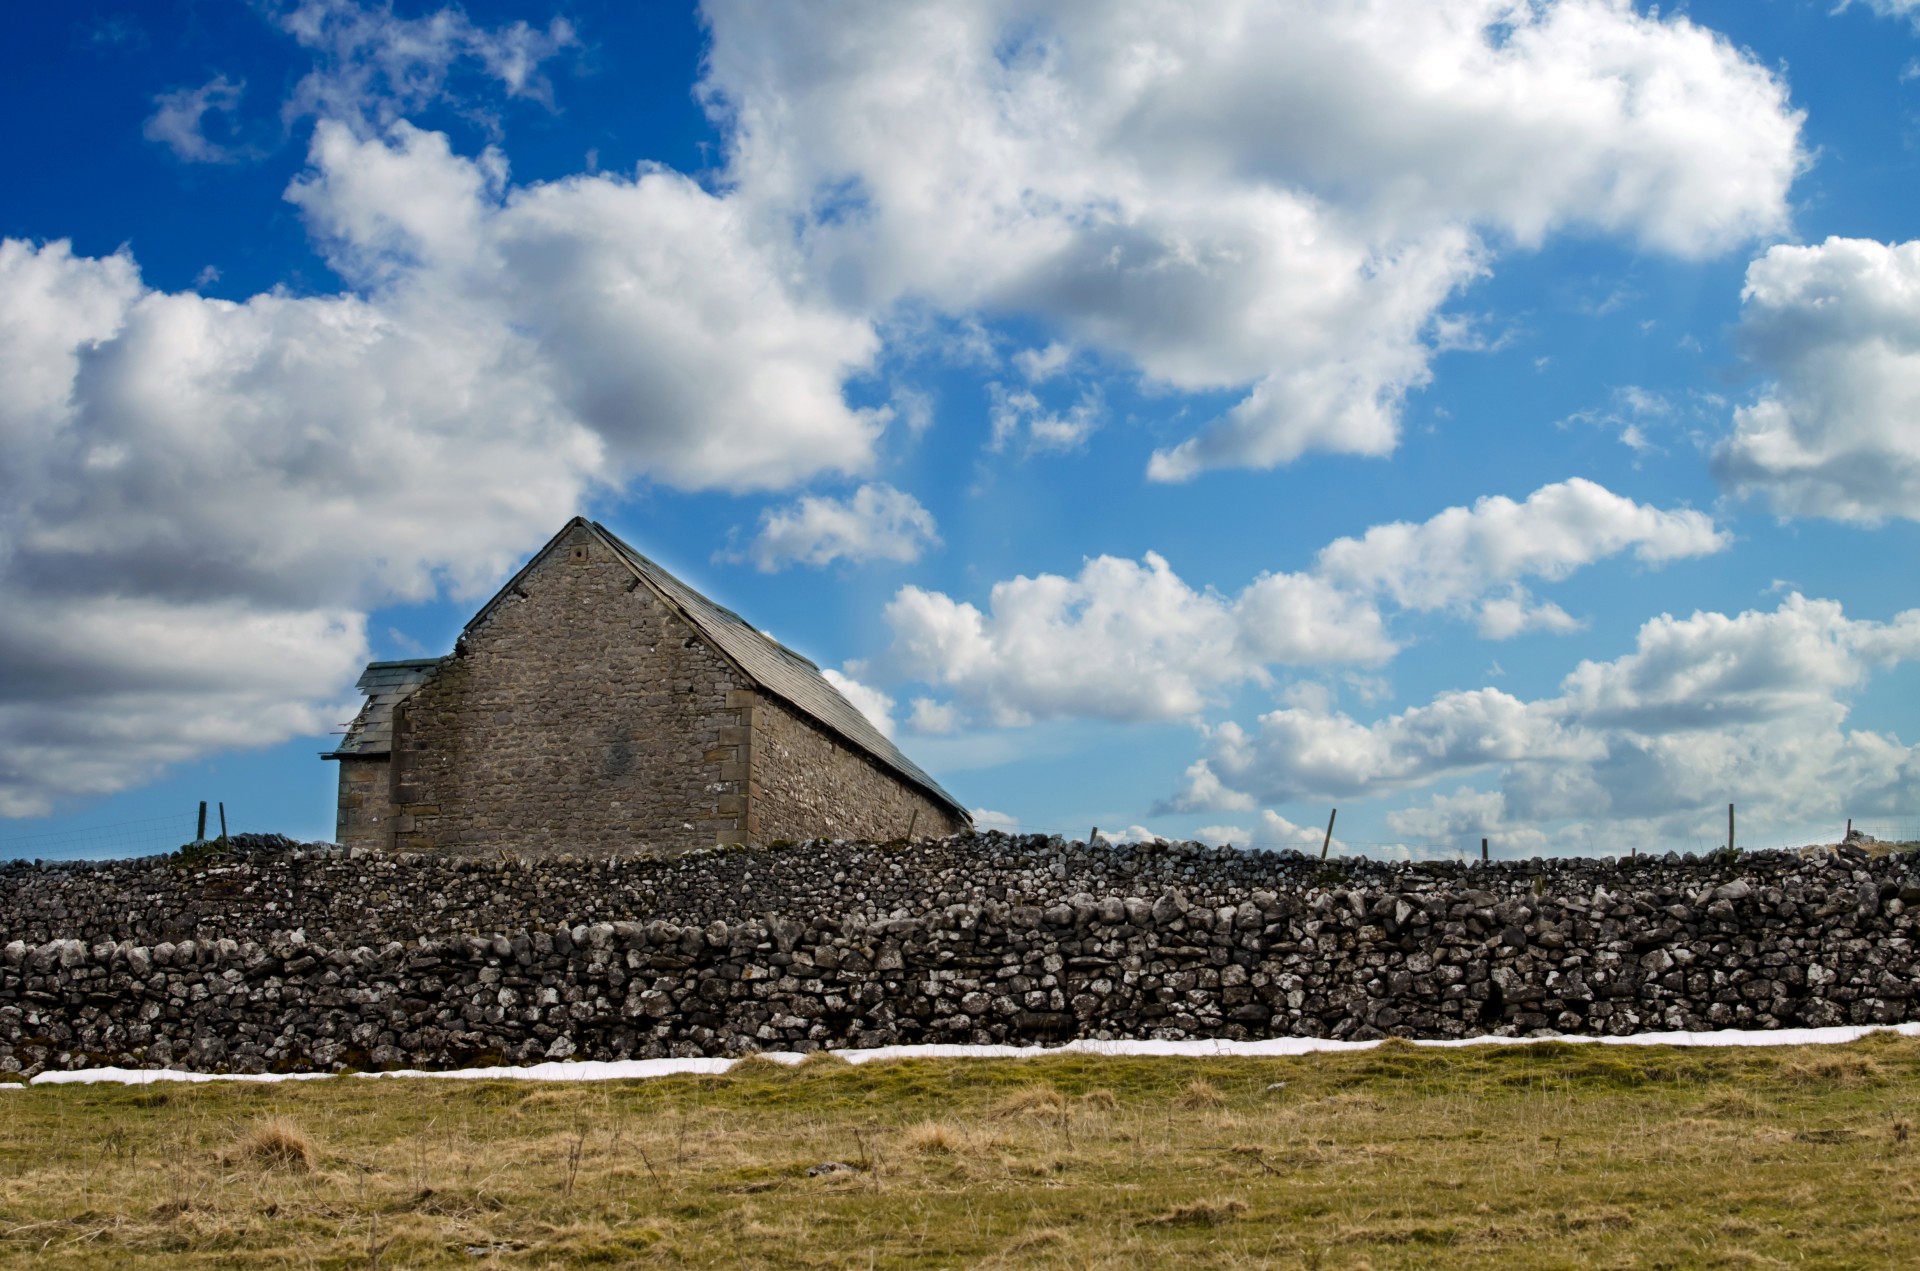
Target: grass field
x,y
1538,1156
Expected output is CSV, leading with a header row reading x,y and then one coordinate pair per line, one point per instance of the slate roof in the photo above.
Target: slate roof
x,y
776,668
772,666
385,684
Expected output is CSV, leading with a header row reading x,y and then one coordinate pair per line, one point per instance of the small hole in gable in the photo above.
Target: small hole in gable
x,y
580,555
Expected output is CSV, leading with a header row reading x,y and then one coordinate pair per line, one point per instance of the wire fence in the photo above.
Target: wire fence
x,y
1307,841
121,839
1498,846
155,835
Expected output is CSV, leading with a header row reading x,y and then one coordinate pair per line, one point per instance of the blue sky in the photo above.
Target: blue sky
x,y
1492,419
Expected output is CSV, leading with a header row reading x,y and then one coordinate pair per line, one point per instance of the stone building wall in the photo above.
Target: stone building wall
x,y
809,784
314,958
581,714
365,815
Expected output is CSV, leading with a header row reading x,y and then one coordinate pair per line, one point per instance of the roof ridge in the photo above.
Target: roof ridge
x,y
723,610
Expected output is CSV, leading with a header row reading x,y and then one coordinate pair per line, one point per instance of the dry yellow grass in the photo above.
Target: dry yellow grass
x,y
1199,1093
1033,1101
935,1138
1545,1156
1199,1213
273,1143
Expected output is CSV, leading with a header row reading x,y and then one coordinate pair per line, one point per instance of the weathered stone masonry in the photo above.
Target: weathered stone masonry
x,y
580,712
312,958
584,709
813,784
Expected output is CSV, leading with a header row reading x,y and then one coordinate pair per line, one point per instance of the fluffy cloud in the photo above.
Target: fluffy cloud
x,y
1837,434
877,523
1019,413
1116,171
987,819
1299,752
373,66
1272,832
646,307
1449,823
104,691
188,472
1123,640
1516,613
1039,365
1461,554
869,701
1132,641
1707,709
179,120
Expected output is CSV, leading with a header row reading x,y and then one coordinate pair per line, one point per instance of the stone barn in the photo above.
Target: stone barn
x,y
599,704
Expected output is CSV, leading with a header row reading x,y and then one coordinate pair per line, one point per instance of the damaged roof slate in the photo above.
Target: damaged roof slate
x,y
386,684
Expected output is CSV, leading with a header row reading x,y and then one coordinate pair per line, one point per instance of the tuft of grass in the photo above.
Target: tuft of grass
x,y
274,1143
758,1067
934,1138
1846,1071
1032,1101
1200,1094
1101,1098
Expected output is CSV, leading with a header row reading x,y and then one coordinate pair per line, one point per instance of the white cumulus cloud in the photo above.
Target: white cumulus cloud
x,y
1516,613
986,819
1131,640
1276,201
1837,433
1124,640
177,472
1272,832
1706,710
877,523
646,306
869,701
1456,557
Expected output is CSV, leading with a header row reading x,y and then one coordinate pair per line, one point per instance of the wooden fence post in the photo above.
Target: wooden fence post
x,y
1483,851
223,821
1327,842
200,835
1729,829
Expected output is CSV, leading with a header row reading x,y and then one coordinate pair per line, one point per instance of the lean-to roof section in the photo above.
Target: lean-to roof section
x,y
385,684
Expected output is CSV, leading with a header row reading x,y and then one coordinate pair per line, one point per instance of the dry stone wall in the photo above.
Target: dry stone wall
x,y
290,957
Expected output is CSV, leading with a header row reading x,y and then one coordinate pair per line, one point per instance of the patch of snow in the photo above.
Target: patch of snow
x,y
639,1069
